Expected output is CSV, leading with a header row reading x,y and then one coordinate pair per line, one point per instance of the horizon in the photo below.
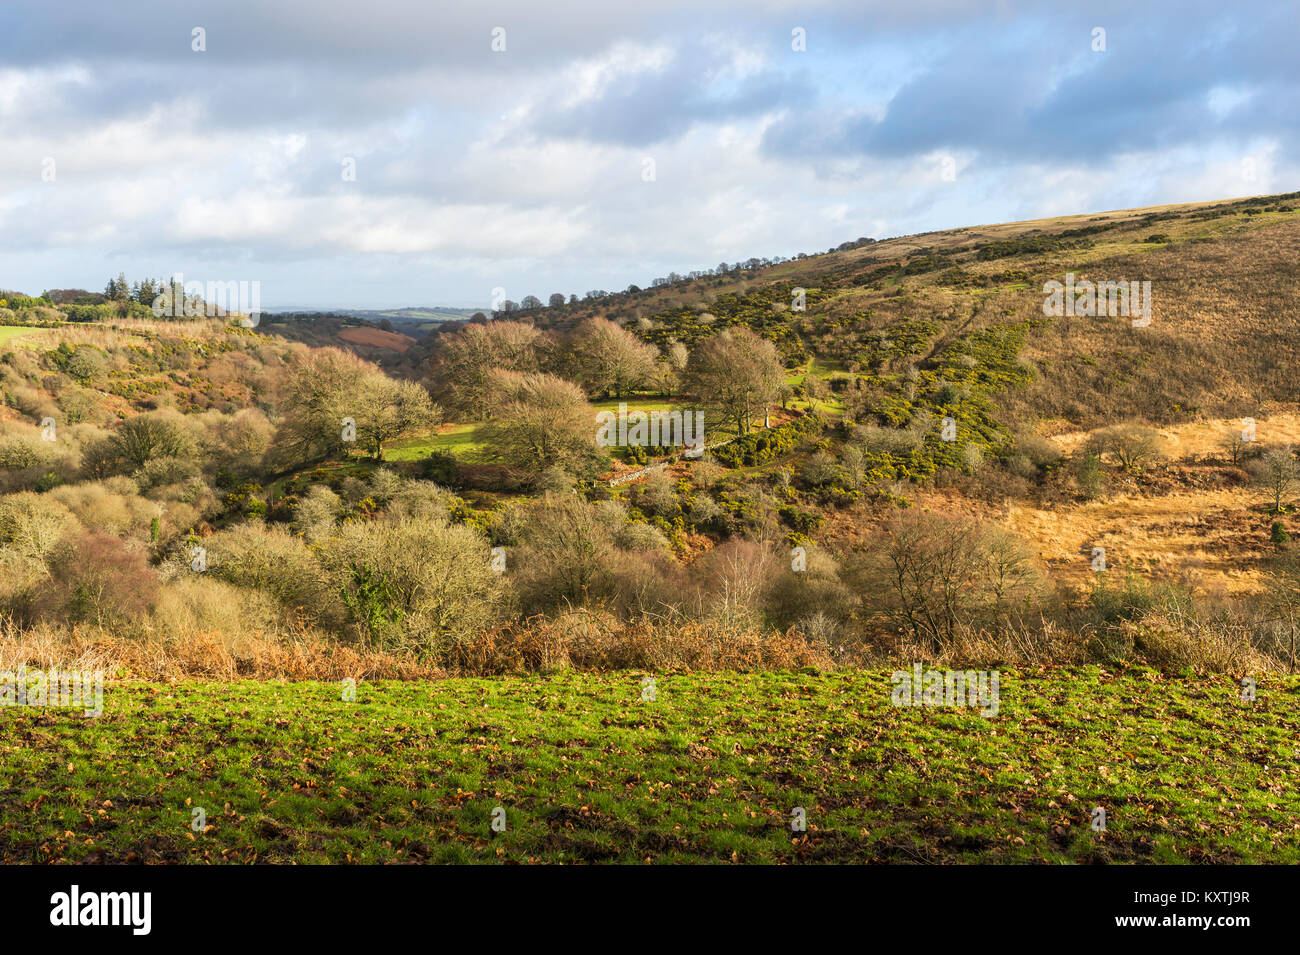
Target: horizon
x,y
486,308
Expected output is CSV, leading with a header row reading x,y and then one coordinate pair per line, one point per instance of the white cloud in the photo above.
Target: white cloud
x,y
169,161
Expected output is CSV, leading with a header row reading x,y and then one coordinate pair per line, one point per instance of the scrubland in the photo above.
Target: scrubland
x,y
847,531
908,462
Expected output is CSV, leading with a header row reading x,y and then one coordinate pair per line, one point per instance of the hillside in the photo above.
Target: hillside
x,y
890,340
1220,346
1222,275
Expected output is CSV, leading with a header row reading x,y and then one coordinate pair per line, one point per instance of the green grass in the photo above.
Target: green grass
x,y
461,440
464,441
709,772
635,403
8,334
824,369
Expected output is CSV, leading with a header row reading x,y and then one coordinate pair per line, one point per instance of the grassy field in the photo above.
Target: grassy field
x,y
708,772
9,335
636,403
460,439
464,441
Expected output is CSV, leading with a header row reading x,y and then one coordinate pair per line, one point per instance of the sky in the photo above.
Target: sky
x,y
393,153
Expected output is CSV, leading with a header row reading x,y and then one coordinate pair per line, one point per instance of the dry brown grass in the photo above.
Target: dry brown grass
x,y
1211,537
1038,643
1199,440
1222,341
206,655
579,640
1170,638
127,331
1228,640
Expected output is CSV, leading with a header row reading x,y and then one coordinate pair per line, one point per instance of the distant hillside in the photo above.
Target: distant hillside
x,y
393,345
416,315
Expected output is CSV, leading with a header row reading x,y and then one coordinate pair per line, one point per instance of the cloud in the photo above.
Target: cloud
x,y
523,168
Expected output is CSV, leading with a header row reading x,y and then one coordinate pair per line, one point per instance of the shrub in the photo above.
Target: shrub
x,y
1020,465
937,573
441,467
32,524
86,363
420,499
760,447
418,584
79,404
192,609
1091,477
1042,453
566,554
894,441
113,506
317,512
160,472
98,580
1107,604
799,520
100,459
705,514
145,437
815,592
269,559
639,536
20,453
737,577
657,496
820,469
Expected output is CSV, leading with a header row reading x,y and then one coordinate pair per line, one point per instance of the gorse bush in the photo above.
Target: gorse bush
x,y
767,445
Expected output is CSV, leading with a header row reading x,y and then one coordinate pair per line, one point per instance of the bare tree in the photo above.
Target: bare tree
x,y
738,373
332,388
465,360
1132,446
608,359
814,390
388,409
1277,473
540,420
1234,443
941,572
